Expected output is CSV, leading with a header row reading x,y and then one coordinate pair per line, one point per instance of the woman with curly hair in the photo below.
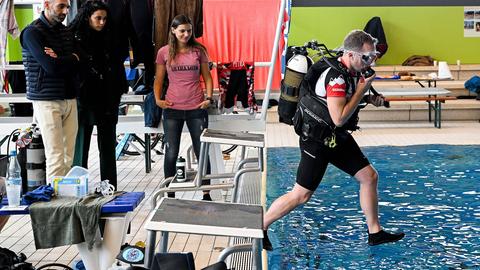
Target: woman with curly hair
x,y
102,83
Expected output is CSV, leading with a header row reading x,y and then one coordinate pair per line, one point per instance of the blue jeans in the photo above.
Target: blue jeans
x,y
173,120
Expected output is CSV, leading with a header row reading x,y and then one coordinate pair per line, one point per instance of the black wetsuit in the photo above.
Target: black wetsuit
x,y
315,155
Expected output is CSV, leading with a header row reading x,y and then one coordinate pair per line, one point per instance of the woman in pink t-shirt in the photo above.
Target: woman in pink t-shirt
x,y
184,60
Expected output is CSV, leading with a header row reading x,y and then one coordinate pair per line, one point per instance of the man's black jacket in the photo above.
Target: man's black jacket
x,y
49,78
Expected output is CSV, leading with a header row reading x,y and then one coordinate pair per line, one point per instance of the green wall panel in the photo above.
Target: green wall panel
x,y
434,31
24,15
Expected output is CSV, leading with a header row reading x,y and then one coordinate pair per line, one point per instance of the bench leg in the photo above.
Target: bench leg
x,y
429,111
118,150
104,252
148,154
435,113
260,158
90,258
150,248
215,157
439,114
114,236
163,247
243,153
202,159
257,254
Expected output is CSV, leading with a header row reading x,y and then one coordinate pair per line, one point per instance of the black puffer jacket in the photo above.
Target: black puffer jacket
x,y
102,76
49,78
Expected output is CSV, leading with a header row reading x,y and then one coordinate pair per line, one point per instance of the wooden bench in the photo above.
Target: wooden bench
x,y
428,94
456,87
117,215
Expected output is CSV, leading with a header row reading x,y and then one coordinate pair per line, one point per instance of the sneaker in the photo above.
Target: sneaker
x,y
267,245
383,237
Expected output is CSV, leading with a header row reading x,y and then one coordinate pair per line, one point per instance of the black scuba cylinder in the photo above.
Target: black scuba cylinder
x,y
36,168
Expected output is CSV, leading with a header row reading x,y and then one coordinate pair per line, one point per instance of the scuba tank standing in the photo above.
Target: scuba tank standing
x,y
36,168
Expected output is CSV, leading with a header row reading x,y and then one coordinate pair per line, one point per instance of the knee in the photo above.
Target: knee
x,y
371,178
301,197
304,198
171,148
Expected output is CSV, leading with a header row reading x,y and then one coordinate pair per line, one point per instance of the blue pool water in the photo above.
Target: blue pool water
x,y
430,192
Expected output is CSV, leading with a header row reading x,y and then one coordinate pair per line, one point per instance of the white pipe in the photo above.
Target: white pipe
x,y
273,61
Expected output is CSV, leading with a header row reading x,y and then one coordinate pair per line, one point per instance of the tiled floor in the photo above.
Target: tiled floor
x,y
17,235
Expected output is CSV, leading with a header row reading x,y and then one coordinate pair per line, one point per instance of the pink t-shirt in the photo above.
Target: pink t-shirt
x,y
184,89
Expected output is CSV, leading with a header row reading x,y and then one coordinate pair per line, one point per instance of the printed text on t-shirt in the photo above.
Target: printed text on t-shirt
x,y
184,68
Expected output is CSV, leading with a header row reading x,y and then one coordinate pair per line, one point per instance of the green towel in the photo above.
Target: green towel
x,y
67,220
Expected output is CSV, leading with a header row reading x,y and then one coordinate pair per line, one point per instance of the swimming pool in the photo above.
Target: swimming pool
x,y
431,192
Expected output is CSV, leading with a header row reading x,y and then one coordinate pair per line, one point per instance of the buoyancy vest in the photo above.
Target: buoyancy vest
x,y
312,118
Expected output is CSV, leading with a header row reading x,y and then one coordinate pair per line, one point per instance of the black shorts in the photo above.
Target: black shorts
x,y
315,157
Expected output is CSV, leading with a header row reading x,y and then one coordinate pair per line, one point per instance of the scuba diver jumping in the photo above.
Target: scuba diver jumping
x,y
329,98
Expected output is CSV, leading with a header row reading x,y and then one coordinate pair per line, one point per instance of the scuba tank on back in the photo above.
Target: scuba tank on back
x,y
311,118
297,66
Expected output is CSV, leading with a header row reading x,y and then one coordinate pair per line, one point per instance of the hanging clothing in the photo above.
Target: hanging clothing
x,y
235,82
73,10
141,39
166,10
8,24
121,28
133,27
233,30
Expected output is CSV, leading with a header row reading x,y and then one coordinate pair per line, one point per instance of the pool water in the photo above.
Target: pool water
x,y
430,192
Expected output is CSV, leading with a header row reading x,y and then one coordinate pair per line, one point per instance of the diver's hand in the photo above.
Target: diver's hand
x,y
376,100
364,84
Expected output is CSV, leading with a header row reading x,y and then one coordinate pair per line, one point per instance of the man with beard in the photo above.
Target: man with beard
x,y
50,69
